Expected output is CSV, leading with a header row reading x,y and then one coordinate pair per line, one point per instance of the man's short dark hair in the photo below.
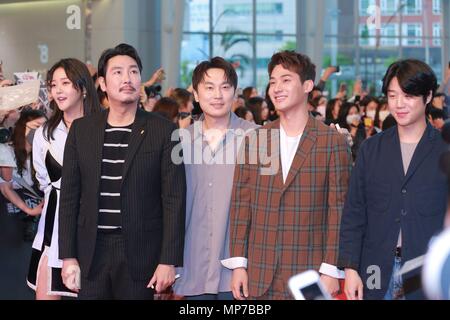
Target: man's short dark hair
x,y
415,78
295,62
436,113
215,63
122,49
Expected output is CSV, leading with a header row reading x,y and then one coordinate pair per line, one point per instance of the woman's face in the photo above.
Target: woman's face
x,y
372,106
249,116
190,105
66,96
336,108
353,110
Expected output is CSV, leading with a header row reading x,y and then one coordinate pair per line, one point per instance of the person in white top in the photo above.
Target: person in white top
x,y
74,96
15,166
285,219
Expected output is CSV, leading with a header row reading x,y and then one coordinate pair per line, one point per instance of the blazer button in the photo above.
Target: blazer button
x,y
404,212
404,191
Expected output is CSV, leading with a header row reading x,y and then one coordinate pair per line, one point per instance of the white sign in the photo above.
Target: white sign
x,y
22,77
18,96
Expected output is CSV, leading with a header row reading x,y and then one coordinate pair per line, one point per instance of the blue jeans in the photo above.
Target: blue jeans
x,y
395,290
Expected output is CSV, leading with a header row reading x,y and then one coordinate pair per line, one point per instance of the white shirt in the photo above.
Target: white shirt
x,y
40,148
288,149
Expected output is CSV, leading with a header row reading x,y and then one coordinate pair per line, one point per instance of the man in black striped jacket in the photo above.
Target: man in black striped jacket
x,y
122,208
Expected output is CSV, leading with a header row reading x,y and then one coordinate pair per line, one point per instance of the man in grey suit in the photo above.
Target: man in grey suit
x,y
122,206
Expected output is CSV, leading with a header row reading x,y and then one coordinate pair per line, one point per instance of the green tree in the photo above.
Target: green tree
x,y
342,60
186,74
228,41
289,45
389,61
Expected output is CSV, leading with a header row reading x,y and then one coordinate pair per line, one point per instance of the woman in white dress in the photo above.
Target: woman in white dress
x,y
74,96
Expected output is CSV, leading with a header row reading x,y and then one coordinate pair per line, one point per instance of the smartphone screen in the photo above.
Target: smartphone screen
x,y
368,122
312,292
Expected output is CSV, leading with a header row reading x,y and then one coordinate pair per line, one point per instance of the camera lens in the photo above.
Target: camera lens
x,y
5,134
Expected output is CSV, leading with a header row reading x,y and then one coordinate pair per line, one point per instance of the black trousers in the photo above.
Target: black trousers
x,y
110,277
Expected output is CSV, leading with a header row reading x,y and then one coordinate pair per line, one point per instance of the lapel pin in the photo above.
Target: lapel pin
x,y
142,132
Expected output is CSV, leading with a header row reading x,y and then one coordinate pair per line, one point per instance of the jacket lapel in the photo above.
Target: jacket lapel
x,y
306,143
424,148
98,139
393,155
138,133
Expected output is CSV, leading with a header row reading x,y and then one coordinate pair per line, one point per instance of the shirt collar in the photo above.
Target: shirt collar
x,y
197,128
61,126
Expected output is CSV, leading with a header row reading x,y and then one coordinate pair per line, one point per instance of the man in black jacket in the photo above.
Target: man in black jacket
x,y
397,195
122,206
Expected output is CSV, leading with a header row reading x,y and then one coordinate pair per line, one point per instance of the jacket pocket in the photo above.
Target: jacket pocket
x,y
378,197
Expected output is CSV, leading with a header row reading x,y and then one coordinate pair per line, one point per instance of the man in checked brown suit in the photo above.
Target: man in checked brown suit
x,y
285,219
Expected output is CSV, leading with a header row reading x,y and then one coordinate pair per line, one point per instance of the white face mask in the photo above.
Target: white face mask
x,y
353,118
371,114
384,114
321,109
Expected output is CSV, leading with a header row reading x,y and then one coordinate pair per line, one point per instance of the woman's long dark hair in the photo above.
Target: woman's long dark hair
x,y
255,106
78,74
18,137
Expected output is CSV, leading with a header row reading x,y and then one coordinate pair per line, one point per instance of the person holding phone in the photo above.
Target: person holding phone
x,y
15,165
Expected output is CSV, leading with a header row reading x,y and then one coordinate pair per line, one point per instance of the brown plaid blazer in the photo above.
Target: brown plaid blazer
x,y
288,228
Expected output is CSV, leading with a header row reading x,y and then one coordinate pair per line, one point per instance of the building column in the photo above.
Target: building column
x,y
172,15
310,31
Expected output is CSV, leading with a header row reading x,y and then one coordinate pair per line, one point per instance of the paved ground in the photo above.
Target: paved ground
x,y
14,260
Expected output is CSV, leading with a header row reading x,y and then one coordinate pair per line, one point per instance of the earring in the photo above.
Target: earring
x,y
84,95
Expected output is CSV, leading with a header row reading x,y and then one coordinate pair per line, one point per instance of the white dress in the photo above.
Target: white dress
x,y
47,162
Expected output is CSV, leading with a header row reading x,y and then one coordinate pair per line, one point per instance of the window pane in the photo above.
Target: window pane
x,y
232,15
407,28
194,49
236,47
266,47
364,6
276,16
196,16
413,7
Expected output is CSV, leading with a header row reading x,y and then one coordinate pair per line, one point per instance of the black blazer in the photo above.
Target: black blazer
x,y
381,199
152,196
